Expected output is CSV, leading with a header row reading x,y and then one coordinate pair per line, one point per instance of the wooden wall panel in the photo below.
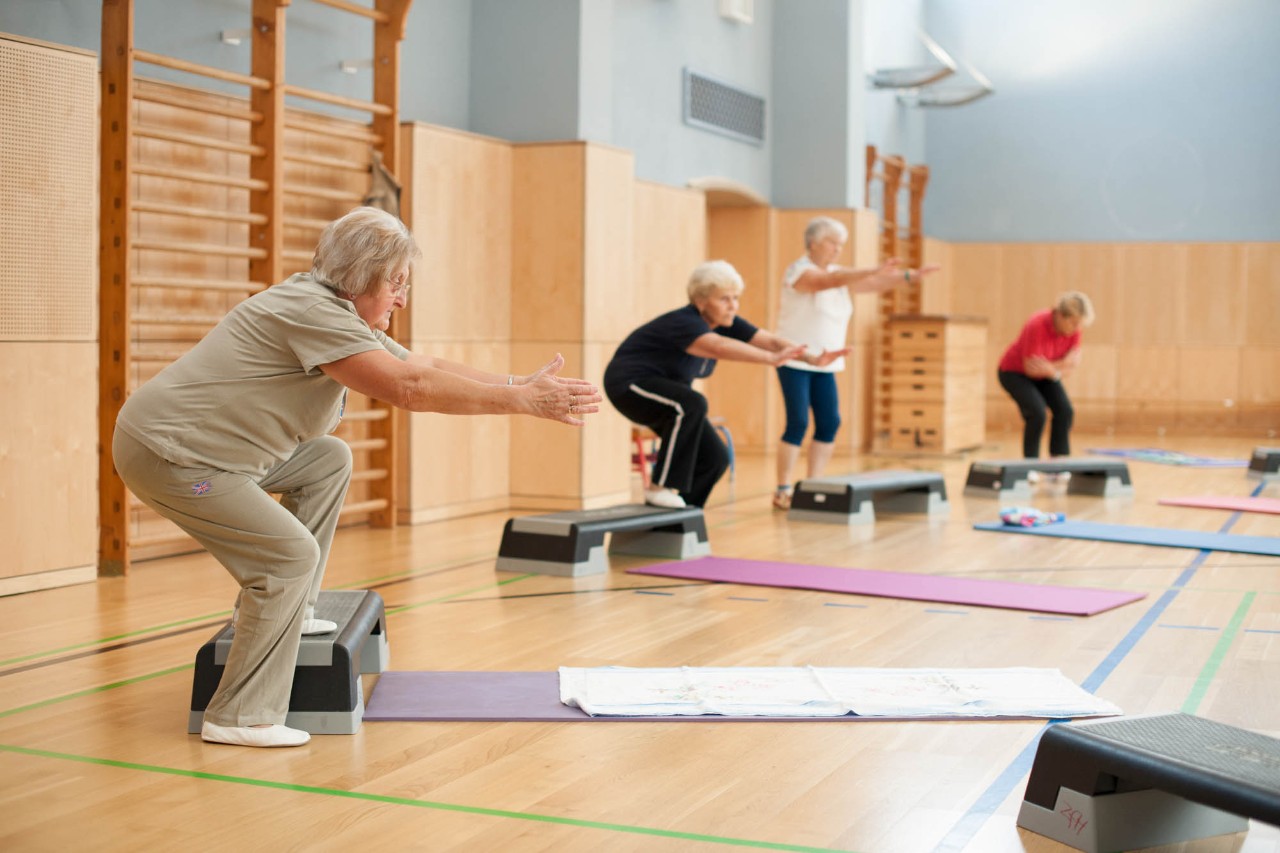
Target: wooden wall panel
x,y
669,238
1150,301
1216,300
453,464
48,461
1184,338
459,209
458,205
608,211
742,236
548,229
1262,294
547,458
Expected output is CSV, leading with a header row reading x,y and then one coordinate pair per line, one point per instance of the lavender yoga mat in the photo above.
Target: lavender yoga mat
x,y
526,697
520,697
1070,600
1271,505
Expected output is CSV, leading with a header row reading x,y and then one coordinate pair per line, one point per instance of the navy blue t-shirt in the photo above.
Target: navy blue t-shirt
x,y
658,349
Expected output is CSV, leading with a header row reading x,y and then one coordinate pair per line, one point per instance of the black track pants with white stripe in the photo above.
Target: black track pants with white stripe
x,y
691,457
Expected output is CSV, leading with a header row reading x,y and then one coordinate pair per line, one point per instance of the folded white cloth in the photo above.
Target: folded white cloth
x,y
828,692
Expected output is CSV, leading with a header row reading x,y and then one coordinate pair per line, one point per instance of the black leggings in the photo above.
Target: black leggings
x,y
1033,396
691,457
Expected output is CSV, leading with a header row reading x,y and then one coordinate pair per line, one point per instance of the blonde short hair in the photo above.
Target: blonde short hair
x,y
1073,303
360,250
822,226
711,276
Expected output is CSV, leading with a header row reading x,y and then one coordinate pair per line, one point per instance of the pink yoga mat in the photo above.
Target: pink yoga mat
x,y
1069,600
1271,505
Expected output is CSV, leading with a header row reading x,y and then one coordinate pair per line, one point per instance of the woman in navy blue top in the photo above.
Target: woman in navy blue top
x,y
650,380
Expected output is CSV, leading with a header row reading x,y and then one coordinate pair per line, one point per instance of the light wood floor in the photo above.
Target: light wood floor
x,y
95,685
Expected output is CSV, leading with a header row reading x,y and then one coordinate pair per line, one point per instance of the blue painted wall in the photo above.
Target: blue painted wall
x,y
653,41
818,104
1112,121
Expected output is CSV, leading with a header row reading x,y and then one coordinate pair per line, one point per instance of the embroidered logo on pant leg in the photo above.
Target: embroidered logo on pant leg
x,y
201,488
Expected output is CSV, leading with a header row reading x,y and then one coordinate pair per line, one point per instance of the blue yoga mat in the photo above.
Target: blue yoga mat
x,y
1162,536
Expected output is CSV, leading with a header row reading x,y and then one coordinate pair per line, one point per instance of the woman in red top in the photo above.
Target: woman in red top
x,y
1032,368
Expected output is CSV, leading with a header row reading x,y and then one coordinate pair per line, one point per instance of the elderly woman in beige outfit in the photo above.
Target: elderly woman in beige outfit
x,y
248,412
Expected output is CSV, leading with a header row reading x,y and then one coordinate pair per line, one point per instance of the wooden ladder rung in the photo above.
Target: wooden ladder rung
x,y
161,539
165,96
326,162
200,212
369,474
363,506
201,70
200,249
177,319
197,140
338,100
322,192
300,122
367,415
201,178
224,285
359,444
309,223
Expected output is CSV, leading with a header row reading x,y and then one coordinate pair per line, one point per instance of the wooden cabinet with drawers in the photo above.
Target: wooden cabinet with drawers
x,y
936,376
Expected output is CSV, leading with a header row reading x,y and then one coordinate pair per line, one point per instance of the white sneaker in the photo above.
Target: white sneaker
x,y
318,626
273,735
665,498
1033,477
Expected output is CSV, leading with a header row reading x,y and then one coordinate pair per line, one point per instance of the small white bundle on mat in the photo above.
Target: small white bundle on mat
x,y
827,692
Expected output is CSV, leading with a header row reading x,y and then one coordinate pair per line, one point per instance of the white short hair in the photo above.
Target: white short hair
x,y
822,226
358,251
711,276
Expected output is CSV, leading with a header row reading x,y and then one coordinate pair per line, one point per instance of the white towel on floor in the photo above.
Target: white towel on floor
x,y
827,692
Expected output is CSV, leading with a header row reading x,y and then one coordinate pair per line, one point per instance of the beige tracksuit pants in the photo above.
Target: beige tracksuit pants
x,y
275,551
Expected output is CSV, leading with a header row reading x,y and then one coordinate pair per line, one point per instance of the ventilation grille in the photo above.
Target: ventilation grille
x,y
720,108
48,194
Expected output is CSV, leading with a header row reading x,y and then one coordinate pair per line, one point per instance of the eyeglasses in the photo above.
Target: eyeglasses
x,y
399,287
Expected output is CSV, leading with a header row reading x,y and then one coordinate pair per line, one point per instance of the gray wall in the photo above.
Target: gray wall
x,y
1127,121
653,41
1134,120
819,104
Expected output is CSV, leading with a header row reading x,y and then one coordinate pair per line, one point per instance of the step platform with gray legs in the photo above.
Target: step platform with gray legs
x,y
1265,463
571,544
1090,475
855,498
327,697
1137,782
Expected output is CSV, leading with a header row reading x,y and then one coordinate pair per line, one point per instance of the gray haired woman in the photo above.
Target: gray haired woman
x,y
650,380
248,412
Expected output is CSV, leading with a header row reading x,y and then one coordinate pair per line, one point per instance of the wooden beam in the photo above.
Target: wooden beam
x,y
268,134
387,36
114,213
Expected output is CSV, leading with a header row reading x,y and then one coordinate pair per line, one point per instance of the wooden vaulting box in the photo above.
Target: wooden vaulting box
x,y
937,382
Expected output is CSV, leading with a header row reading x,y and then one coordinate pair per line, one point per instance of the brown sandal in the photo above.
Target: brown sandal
x,y
782,499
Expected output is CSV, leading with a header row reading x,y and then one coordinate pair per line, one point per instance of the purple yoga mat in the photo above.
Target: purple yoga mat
x,y
527,697
1070,600
1271,505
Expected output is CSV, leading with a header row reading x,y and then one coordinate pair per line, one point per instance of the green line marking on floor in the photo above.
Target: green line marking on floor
x,y
221,614
44,703
1205,678
402,608
422,804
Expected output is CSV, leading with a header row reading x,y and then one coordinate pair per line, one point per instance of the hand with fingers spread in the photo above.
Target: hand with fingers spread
x,y
561,398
